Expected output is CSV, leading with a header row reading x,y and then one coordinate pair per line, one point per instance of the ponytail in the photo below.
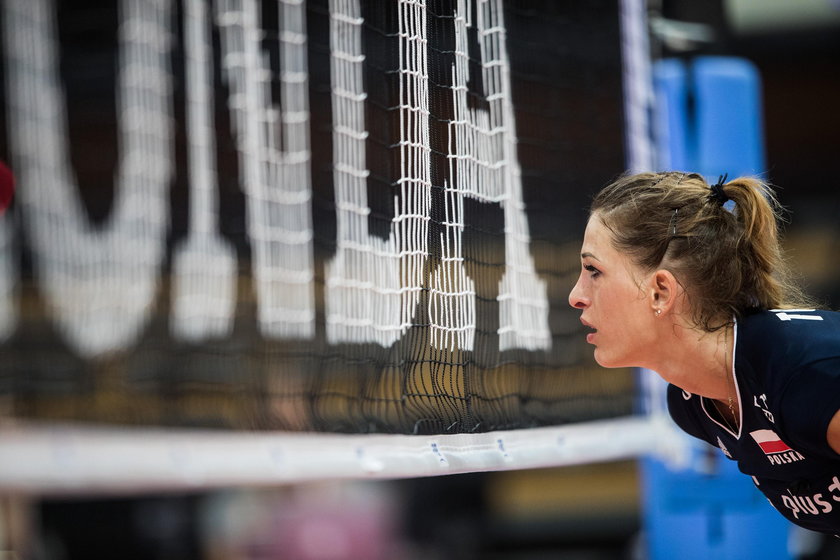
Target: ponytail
x,y
762,258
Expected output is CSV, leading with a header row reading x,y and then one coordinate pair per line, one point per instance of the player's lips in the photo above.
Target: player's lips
x,y
590,336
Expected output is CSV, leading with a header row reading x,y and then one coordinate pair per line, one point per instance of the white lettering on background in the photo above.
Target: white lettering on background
x,y
274,159
100,283
204,265
485,167
373,284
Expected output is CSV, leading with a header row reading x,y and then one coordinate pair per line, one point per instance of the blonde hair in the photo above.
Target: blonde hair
x,y
727,257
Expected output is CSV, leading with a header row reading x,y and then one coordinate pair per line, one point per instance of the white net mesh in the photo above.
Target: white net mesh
x,y
325,216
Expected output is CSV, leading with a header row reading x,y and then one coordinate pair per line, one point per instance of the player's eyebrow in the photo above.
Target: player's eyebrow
x,y
586,254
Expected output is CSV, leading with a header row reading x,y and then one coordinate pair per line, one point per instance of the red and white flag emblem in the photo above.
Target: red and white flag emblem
x,y
769,442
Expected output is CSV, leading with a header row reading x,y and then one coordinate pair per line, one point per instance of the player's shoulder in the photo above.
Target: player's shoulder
x,y
774,344
787,322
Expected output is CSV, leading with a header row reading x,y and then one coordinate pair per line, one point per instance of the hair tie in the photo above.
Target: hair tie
x,y
717,194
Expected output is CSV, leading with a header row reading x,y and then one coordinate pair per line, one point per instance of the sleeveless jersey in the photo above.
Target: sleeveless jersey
x,y
787,373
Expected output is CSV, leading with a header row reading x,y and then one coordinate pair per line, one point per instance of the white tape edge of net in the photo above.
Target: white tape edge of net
x,y
68,459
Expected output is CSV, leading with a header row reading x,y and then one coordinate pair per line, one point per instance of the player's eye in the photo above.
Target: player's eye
x,y
593,272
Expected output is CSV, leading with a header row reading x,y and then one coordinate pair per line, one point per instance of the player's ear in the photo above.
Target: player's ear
x,y
663,291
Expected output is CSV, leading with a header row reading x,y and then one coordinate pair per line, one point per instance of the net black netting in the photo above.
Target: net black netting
x,y
360,217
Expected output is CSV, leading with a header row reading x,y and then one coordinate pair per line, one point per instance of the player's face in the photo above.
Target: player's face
x,y
611,296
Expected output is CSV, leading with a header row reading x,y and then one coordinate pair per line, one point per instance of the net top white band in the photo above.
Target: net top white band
x,y
74,459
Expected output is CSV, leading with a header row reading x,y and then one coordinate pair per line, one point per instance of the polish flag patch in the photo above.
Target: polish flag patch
x,y
769,442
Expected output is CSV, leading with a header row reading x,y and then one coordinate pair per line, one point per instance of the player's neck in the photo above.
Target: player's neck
x,y
700,362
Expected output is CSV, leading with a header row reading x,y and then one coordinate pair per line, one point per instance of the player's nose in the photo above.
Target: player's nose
x,y
577,298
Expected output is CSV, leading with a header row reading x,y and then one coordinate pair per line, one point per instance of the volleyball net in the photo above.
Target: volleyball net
x,y
270,241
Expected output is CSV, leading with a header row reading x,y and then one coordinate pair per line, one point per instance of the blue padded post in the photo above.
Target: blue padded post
x,y
729,135
708,119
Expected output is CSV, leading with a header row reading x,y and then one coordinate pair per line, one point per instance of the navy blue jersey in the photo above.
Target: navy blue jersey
x,y
787,373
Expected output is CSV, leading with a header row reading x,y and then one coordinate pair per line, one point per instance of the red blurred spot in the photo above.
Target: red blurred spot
x,y
7,187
